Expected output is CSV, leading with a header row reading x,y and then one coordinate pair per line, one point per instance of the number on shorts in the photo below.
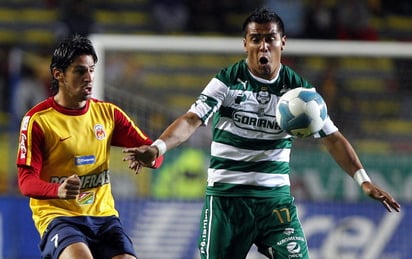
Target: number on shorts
x,y
282,214
55,239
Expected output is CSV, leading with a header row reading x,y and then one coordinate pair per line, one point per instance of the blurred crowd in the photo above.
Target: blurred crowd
x,y
317,19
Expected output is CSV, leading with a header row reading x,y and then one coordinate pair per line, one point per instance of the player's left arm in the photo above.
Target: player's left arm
x,y
346,157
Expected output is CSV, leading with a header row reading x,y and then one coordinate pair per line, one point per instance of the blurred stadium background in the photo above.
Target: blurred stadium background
x,y
369,97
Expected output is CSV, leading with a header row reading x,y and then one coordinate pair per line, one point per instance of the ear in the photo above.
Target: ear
x,y
282,47
244,45
57,74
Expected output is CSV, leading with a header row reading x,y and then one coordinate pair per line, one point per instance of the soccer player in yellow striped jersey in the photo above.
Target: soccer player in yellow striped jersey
x,y
63,161
248,199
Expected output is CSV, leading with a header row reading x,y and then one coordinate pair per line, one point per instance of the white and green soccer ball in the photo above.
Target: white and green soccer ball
x,y
301,112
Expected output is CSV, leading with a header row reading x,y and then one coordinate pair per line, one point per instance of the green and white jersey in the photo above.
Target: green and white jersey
x,y
249,152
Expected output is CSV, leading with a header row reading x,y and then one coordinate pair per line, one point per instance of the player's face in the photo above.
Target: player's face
x,y
75,84
263,44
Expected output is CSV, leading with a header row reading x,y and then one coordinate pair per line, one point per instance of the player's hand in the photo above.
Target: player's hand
x,y
140,156
70,188
135,166
378,194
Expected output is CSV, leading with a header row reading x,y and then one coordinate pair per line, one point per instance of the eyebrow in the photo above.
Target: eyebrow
x,y
263,35
83,66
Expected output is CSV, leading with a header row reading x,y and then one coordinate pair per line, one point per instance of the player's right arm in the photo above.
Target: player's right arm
x,y
181,130
178,132
29,164
32,186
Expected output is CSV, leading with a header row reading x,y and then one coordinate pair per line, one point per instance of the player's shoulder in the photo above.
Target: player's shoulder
x,y
97,101
97,104
288,70
232,73
41,107
292,78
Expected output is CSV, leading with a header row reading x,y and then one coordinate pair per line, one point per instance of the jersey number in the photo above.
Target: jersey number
x,y
282,214
55,239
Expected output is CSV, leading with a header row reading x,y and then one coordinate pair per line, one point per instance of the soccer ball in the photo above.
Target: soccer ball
x,y
301,112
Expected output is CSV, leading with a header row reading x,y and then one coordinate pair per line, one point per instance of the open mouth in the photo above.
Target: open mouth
x,y
263,60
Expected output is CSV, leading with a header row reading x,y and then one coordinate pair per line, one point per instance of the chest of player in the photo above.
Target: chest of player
x,y
79,136
253,109
258,100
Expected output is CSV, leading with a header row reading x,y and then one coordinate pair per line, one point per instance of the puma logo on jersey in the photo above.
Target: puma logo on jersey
x,y
284,89
243,83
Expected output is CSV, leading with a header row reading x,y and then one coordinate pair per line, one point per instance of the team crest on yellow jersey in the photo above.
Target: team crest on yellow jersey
x,y
99,132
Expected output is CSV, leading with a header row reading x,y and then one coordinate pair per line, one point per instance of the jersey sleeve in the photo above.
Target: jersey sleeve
x,y
327,129
29,161
32,186
209,100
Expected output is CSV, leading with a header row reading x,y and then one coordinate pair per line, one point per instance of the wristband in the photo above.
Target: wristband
x,y
160,145
361,176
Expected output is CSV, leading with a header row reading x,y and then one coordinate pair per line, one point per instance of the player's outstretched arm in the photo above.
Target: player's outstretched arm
x,y
344,154
178,132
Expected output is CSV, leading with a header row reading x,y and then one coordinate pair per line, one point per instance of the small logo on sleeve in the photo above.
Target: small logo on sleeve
x,y
25,122
22,146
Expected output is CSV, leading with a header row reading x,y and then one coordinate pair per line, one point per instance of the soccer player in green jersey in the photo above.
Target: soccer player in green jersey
x,y
248,199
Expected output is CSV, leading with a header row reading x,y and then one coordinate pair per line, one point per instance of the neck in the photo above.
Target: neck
x,y
69,103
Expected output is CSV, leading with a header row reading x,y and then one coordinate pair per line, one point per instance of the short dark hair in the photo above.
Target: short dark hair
x,y
65,53
263,15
